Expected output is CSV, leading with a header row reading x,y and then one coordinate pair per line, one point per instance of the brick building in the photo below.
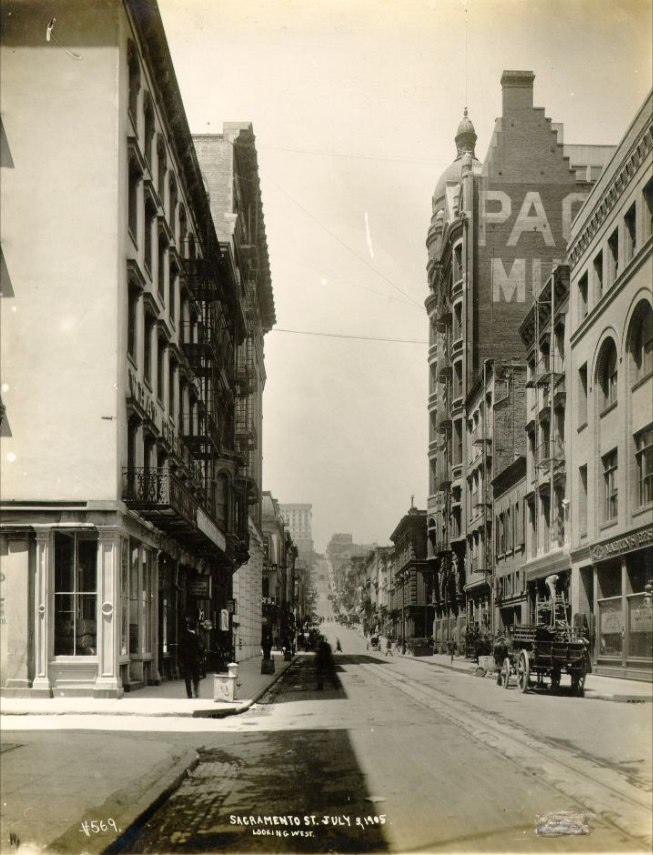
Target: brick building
x,y
497,229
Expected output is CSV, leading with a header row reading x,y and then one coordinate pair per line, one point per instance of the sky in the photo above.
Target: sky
x,y
355,105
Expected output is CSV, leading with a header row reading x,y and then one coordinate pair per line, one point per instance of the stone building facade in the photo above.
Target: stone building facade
x,y
229,165
610,407
124,500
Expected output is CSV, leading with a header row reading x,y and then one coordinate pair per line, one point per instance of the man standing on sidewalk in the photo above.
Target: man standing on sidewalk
x,y
191,651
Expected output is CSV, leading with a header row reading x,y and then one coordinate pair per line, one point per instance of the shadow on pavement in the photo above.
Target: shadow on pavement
x,y
299,791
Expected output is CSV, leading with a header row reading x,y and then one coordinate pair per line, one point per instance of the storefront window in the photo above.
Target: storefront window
x,y
611,626
134,568
147,600
640,627
75,595
124,599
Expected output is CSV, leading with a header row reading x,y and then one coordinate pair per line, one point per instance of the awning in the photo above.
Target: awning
x,y
546,565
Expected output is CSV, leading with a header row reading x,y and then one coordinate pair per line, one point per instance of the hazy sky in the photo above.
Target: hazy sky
x,y
355,105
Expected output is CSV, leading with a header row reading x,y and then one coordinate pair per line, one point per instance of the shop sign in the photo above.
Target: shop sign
x,y
224,620
198,587
621,545
268,601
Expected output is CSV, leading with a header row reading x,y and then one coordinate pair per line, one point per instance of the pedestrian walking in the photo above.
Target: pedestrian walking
x,y
191,653
388,647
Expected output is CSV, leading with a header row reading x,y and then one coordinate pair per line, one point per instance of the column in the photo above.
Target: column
x,y
43,604
108,683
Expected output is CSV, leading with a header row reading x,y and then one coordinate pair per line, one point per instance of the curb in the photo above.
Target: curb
x,y
128,805
225,712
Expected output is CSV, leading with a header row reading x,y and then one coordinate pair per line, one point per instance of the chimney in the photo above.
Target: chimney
x,y
517,91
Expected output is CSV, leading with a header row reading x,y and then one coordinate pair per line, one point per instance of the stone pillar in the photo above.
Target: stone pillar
x,y
43,605
108,683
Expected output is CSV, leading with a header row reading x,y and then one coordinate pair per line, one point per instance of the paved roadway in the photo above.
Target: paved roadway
x,y
406,757
399,756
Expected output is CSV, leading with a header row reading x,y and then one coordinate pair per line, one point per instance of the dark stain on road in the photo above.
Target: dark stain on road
x,y
300,791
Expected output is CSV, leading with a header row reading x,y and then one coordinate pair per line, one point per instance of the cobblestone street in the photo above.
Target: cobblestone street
x,y
297,791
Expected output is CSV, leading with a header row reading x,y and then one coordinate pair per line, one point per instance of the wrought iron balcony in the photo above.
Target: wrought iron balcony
x,y
161,497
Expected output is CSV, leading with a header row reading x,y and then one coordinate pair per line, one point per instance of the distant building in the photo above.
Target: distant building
x,y
299,520
279,556
410,602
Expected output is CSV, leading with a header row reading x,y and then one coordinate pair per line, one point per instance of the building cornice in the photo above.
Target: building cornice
x,y
612,194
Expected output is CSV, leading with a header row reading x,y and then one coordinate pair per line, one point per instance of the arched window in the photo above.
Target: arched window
x,y
641,341
607,375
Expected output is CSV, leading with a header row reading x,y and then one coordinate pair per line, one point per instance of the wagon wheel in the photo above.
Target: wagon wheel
x,y
506,671
578,681
555,679
523,671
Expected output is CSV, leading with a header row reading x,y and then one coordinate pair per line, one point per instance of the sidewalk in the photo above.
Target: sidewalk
x,y
602,688
167,699
66,794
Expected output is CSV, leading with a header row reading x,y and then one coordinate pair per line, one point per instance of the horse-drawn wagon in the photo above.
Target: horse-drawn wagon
x,y
536,653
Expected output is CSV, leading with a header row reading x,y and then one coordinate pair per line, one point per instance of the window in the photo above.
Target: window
x,y
607,374
132,323
134,183
172,297
457,380
160,369
583,291
150,215
149,345
161,169
582,296
134,82
630,233
173,197
458,263
458,442
75,594
172,385
613,257
644,462
148,112
161,274
610,506
457,321
641,341
598,275
648,209
582,499
582,395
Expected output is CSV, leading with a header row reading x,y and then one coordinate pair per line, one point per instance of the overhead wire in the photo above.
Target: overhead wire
x,y
361,258
349,336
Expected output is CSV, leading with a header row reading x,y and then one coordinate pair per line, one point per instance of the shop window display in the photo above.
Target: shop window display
x,y
75,566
